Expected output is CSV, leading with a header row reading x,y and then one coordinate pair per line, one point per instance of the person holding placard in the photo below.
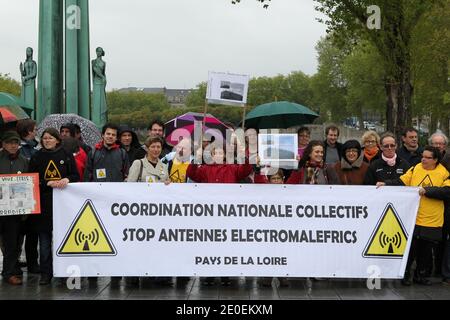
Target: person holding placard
x,y
218,172
11,162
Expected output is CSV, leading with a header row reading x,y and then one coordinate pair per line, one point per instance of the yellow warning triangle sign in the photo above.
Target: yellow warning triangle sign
x,y
389,237
87,235
426,182
52,172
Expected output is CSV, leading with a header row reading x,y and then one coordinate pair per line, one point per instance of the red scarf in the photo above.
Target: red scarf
x,y
370,153
311,169
101,145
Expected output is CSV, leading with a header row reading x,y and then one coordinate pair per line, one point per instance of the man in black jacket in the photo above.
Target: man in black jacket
x,y
442,250
389,166
443,194
410,149
11,162
129,141
107,162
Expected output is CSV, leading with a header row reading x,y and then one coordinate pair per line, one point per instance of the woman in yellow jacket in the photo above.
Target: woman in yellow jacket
x,y
433,178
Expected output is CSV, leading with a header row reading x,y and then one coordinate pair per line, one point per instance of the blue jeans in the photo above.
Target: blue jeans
x,y
45,253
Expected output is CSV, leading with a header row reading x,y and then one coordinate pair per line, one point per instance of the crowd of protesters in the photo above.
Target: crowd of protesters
x,y
119,157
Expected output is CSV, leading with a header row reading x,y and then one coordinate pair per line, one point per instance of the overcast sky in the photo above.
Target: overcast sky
x,y
174,43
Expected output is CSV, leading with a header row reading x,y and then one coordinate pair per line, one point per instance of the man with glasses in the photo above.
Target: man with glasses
x,y
441,251
440,141
11,162
410,150
389,166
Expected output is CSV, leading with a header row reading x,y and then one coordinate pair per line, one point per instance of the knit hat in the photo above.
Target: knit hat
x,y
9,136
351,144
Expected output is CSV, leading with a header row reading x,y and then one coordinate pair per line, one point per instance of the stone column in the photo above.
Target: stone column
x,y
50,65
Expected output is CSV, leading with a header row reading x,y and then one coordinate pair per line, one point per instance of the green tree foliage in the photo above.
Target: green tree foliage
x,y
9,85
328,85
348,21
365,81
136,109
431,61
294,87
198,96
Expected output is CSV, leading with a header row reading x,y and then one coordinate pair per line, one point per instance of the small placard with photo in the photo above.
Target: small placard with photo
x,y
278,150
227,88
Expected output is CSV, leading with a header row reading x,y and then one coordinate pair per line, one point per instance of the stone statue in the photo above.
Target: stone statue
x,y
28,71
99,107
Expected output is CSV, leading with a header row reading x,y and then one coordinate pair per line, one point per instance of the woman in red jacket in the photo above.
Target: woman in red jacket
x,y
218,172
312,168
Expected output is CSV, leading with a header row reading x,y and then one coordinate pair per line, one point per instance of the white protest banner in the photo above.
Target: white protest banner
x,y
19,194
227,88
139,229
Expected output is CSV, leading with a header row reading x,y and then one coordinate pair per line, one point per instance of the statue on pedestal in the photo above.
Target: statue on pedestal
x,y
28,71
99,107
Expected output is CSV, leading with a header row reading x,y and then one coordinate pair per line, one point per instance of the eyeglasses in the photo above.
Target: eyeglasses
x,y
370,142
438,143
389,146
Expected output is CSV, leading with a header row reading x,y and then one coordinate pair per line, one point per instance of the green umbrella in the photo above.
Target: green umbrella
x,y
13,108
278,115
7,99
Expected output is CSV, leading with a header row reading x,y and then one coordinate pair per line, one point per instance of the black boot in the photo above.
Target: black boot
x,y
421,278
406,281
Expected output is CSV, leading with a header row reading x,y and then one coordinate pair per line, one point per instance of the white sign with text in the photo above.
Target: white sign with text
x,y
141,229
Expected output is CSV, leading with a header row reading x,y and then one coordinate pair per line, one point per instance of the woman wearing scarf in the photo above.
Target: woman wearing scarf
x,y
312,169
371,143
390,166
351,170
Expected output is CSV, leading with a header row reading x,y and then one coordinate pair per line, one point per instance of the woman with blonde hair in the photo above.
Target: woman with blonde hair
x,y
371,142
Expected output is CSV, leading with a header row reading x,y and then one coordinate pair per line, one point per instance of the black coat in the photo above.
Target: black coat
x,y
380,171
136,150
51,166
441,194
412,158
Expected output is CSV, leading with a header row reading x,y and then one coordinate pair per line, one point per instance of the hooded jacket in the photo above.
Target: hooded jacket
x,y
136,150
106,165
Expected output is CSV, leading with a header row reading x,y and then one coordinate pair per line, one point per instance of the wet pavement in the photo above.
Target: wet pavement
x,y
249,288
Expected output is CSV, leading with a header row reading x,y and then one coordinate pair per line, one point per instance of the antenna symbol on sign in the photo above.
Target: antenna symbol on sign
x,y
92,238
396,241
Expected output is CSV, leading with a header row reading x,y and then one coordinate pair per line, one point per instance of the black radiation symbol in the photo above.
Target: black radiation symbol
x,y
396,241
92,238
